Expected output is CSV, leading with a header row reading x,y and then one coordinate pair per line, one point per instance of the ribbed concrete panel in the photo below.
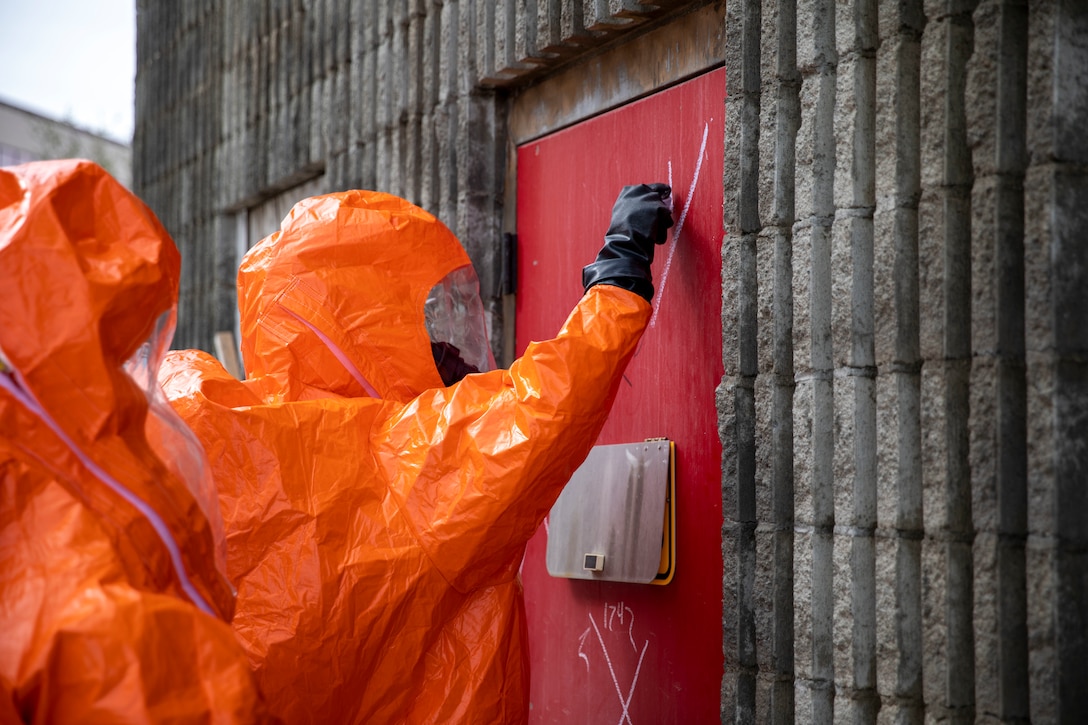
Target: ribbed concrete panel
x,y
239,102
936,360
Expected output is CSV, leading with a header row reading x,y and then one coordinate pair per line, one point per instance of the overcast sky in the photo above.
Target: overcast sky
x,y
74,60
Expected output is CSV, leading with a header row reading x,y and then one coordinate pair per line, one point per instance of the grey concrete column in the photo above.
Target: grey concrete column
x,y
822,78
737,394
784,215
905,364
1069,255
861,368
956,188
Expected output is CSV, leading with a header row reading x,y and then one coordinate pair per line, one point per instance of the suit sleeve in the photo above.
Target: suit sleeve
x,y
476,466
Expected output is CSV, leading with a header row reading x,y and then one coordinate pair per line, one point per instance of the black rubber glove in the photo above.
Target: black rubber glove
x,y
640,221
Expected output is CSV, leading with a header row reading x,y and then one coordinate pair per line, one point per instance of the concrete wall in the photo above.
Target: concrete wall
x,y
239,101
905,409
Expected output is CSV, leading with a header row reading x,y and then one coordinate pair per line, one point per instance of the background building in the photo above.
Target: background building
x,y
902,391
27,136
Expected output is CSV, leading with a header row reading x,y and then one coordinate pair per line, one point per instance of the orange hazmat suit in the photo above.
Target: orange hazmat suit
x,y
112,608
376,519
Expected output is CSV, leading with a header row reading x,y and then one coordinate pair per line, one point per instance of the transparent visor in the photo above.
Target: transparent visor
x,y
176,445
457,326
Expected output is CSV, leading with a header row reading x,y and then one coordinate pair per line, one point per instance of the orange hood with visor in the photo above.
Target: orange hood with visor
x,y
334,302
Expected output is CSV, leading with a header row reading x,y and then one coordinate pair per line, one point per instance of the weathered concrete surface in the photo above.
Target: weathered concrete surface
x,y
933,310
239,101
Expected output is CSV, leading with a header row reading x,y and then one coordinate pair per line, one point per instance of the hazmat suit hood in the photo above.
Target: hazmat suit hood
x,y
336,301
90,280
113,607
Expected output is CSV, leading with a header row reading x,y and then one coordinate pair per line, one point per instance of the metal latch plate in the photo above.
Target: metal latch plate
x,y
612,515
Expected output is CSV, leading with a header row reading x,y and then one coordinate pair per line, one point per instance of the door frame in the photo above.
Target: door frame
x,y
617,74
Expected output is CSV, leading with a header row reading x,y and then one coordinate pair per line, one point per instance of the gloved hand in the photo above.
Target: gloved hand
x,y
640,220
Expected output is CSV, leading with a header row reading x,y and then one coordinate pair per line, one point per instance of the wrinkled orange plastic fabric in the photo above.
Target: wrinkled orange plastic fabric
x,y
95,622
375,542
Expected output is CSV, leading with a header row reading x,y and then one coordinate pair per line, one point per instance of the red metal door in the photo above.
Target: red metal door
x,y
628,653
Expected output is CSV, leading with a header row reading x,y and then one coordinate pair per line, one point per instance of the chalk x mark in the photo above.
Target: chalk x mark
x,y
611,670
625,702
680,222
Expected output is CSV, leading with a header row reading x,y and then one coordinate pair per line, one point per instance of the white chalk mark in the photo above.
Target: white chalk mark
x,y
612,613
581,643
612,671
612,609
631,629
631,692
691,190
680,222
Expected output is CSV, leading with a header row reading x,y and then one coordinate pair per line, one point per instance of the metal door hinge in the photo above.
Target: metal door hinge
x,y
509,281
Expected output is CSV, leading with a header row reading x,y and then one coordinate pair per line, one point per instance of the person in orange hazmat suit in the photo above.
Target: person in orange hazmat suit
x,y
112,606
376,514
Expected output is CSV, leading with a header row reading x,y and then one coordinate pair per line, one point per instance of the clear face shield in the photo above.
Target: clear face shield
x,y
457,326
176,445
